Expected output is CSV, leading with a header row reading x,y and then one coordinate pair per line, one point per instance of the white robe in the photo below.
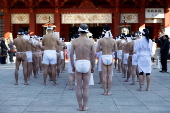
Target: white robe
x,y
143,50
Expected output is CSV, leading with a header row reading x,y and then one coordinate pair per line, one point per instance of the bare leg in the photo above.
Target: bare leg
x,y
71,78
125,70
50,73
45,73
115,63
40,63
100,76
104,80
140,82
53,69
24,65
17,64
58,65
29,69
86,78
119,65
37,65
133,74
148,82
109,79
79,94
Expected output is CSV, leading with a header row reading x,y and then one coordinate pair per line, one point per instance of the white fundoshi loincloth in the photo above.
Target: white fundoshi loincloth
x,y
82,66
29,56
119,54
62,54
107,59
50,57
125,58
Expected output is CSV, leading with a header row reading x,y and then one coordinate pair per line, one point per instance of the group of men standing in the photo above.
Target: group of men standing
x,y
131,52
37,55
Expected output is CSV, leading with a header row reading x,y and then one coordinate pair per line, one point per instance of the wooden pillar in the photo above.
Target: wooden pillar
x,y
7,23
32,22
156,27
142,19
167,21
116,23
57,20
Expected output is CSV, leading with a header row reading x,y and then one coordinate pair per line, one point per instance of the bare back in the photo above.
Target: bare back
x,y
20,44
126,47
119,45
108,46
49,41
82,46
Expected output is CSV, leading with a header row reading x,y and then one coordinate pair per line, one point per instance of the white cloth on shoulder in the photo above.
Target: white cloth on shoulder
x,y
29,56
82,66
107,59
49,57
125,58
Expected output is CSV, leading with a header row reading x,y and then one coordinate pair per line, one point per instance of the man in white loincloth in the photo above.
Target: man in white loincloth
x,y
84,65
108,46
49,58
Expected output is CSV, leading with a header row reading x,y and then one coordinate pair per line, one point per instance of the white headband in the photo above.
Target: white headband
x,y
108,34
20,33
80,29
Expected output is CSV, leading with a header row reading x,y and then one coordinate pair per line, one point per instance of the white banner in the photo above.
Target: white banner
x,y
44,18
129,17
20,19
154,12
78,18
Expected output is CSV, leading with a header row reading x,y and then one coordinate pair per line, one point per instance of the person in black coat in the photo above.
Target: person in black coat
x,y
164,50
4,51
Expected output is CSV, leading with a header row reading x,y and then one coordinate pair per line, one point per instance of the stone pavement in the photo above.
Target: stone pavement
x,y
36,98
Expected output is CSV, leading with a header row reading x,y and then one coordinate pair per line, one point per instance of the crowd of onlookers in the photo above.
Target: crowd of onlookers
x,y
6,48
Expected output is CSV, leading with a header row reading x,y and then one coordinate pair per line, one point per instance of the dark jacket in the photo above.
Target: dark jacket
x,y
4,48
164,49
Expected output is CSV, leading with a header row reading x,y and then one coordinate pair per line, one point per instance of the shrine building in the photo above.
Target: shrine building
x,y
126,16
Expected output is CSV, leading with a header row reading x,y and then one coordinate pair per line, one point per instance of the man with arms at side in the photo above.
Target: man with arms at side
x,y
83,48
108,46
20,44
49,58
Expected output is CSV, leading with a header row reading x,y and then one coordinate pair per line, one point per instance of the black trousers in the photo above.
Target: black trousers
x,y
164,58
3,60
11,54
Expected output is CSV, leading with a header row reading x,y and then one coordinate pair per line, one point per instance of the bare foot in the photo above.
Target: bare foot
x,y
104,94
80,108
85,108
26,83
132,84
16,83
147,89
140,89
35,77
54,84
44,84
126,81
118,72
109,93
